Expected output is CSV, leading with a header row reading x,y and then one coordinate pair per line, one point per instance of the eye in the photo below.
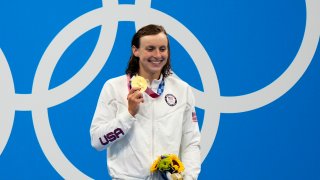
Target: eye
x,y
163,49
150,49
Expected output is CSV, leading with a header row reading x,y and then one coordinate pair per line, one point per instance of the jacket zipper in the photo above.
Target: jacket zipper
x,y
152,121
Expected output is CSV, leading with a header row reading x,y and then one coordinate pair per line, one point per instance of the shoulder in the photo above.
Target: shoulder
x,y
116,83
116,80
174,80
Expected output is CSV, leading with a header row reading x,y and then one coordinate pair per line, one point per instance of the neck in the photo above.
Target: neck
x,y
150,77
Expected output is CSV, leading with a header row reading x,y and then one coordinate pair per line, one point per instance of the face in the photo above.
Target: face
x,y
153,54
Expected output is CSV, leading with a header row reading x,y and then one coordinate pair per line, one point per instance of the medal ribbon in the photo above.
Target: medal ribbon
x,y
149,90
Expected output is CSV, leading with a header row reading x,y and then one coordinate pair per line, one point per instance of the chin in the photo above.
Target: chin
x,y
156,70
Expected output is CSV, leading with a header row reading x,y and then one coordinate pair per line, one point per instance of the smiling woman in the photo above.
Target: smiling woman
x,y
150,124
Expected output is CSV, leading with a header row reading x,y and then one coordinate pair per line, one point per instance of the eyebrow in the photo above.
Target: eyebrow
x,y
152,46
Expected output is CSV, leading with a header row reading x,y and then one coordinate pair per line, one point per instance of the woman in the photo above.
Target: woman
x,y
138,124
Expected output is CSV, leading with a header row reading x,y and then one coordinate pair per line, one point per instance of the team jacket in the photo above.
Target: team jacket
x,y
163,125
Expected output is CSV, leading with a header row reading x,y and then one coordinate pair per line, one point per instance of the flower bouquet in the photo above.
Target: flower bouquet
x,y
169,166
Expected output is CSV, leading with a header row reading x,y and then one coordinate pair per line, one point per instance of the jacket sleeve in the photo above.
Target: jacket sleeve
x,y
190,144
108,126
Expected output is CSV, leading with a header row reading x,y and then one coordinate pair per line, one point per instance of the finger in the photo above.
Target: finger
x,y
139,100
137,95
132,92
134,89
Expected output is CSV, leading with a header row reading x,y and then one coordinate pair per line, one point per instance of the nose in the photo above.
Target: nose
x,y
157,53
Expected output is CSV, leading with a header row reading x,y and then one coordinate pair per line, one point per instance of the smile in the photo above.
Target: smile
x,y
156,61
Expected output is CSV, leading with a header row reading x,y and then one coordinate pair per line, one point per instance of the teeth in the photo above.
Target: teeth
x,y
155,62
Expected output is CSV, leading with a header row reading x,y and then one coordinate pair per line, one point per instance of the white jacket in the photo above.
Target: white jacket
x,y
163,125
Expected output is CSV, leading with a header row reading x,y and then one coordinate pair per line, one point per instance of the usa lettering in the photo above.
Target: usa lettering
x,y
111,136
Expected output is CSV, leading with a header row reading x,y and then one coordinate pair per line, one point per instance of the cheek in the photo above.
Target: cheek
x,y
166,54
145,55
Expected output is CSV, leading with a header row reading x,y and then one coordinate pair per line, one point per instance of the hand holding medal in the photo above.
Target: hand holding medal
x,y
135,97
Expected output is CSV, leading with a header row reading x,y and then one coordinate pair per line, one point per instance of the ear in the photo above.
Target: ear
x,y
135,51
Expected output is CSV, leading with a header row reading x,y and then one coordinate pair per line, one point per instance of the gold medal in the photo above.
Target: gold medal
x,y
139,82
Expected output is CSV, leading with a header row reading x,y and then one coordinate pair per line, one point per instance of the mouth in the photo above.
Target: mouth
x,y
156,61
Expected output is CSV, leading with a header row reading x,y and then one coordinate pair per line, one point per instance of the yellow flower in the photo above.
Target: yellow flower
x,y
176,163
154,166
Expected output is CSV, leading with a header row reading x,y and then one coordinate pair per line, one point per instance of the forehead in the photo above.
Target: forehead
x,y
154,40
